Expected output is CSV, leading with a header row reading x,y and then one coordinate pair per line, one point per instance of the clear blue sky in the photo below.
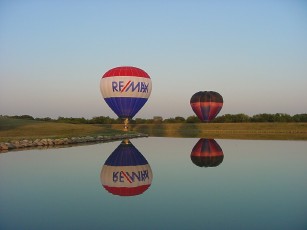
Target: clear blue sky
x,y
53,54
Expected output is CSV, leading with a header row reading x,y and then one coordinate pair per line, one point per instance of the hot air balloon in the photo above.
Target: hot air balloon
x,y
207,153
125,89
206,104
126,172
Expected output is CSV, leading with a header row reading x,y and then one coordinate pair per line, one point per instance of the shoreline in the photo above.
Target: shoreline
x,y
62,142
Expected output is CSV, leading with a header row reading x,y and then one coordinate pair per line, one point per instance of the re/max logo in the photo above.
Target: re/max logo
x,y
120,86
120,176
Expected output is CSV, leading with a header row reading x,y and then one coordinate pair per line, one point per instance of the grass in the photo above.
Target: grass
x,y
264,131
16,129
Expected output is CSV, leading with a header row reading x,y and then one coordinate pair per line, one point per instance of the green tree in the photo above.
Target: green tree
x,y
300,117
192,119
179,119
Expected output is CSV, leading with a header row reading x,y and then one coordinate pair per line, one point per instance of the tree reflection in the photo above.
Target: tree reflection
x,y
126,172
207,153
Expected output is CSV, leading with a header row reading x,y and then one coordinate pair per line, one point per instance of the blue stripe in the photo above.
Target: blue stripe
x,y
205,110
125,107
126,155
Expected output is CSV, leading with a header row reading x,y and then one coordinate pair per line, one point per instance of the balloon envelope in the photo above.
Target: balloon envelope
x,y
207,153
126,172
206,104
125,89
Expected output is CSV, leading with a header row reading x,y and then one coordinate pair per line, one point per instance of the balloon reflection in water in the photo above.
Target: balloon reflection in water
x,y
126,172
207,153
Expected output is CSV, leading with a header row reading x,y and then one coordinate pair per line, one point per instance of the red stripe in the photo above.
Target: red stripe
x,y
207,103
126,71
207,154
125,86
128,179
207,148
125,191
197,109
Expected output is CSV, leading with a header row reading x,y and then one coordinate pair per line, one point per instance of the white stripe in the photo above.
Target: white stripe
x,y
112,175
112,87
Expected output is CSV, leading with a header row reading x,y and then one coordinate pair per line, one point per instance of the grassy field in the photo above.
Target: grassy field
x,y
16,129
264,131
252,131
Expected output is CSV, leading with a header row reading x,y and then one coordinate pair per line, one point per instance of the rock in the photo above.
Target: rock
x,y
58,142
70,141
50,142
10,146
38,142
16,144
64,141
89,139
44,142
81,140
24,143
75,140
3,146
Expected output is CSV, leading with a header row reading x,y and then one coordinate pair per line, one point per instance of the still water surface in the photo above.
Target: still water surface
x,y
242,185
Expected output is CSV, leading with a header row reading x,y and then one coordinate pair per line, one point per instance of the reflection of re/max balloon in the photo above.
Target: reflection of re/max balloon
x,y
207,153
125,89
206,104
126,172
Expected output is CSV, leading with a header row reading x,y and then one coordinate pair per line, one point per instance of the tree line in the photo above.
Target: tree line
x,y
227,118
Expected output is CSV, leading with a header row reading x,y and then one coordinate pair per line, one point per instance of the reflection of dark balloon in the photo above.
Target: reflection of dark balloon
x,y
126,172
206,104
207,153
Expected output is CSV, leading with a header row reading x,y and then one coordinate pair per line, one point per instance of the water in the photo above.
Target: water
x,y
250,185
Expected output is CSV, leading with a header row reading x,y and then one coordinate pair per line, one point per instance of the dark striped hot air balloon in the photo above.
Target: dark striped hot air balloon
x,y
206,104
126,172
207,153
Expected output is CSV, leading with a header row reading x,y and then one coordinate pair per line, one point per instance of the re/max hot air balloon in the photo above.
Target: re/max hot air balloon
x,y
206,104
125,89
126,172
207,153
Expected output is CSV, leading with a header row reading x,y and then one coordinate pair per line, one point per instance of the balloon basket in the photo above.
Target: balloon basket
x,y
126,122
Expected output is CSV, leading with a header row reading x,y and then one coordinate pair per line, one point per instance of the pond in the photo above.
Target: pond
x,y
157,183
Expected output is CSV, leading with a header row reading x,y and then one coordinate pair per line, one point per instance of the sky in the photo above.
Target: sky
x,y
53,54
